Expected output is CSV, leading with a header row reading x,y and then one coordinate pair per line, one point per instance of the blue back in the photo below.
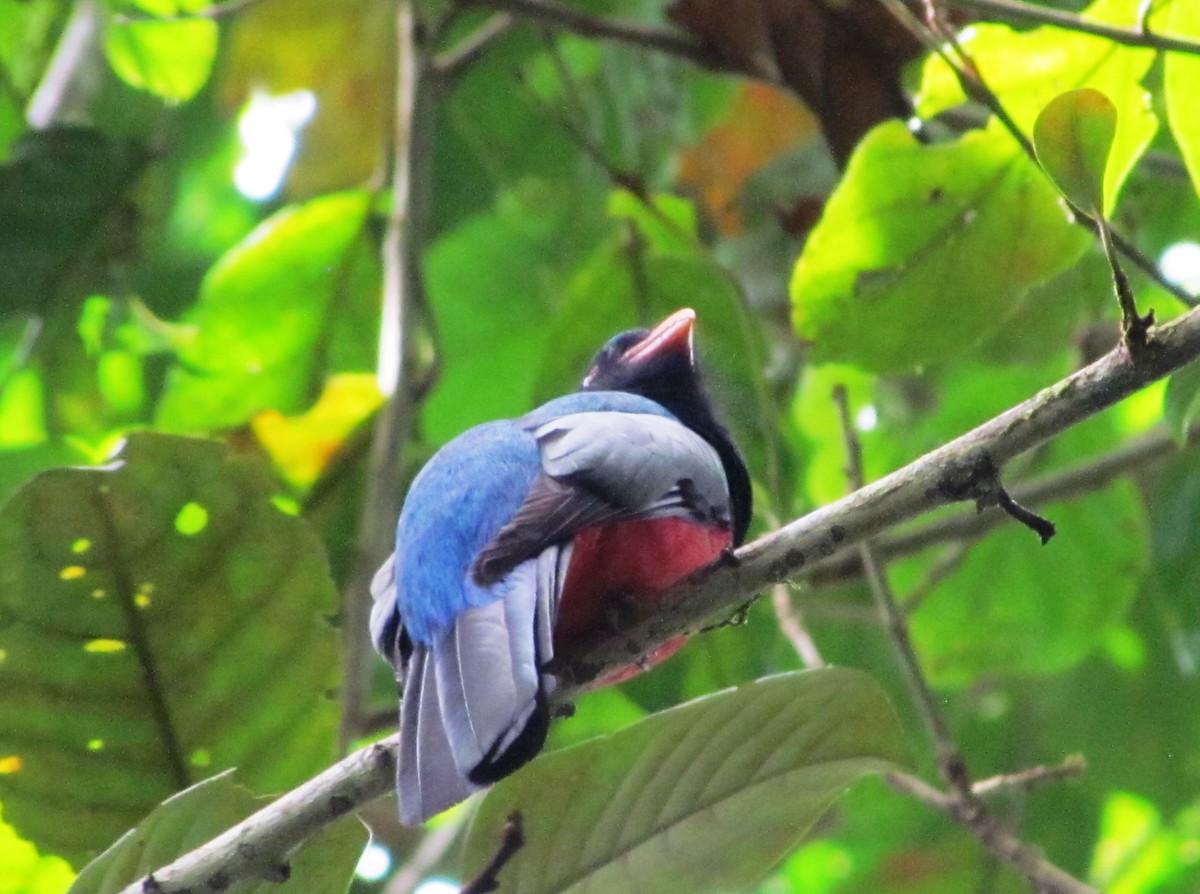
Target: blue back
x,y
461,499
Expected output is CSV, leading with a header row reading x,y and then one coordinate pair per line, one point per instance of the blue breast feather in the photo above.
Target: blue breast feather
x,y
469,489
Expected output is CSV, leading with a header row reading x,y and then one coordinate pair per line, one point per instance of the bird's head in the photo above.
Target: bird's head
x,y
658,363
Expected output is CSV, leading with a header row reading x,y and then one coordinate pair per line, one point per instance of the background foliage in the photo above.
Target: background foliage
x,y
194,210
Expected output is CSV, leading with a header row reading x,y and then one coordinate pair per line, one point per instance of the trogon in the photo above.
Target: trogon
x,y
523,536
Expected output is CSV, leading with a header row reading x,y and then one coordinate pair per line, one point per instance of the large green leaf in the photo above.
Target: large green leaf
x,y
707,796
273,314
925,250
170,57
1027,69
160,617
187,820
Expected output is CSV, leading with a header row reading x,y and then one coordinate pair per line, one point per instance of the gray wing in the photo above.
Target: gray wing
x,y
475,701
605,466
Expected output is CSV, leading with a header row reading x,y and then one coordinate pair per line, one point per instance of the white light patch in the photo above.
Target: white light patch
x,y
1180,265
374,864
269,129
866,419
437,886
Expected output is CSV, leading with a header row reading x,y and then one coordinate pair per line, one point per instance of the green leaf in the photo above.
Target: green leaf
x,y
270,314
1027,69
159,619
187,820
1182,401
171,59
1073,136
925,250
1181,82
707,796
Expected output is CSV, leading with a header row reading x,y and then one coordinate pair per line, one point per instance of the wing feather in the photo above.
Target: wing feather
x,y
599,467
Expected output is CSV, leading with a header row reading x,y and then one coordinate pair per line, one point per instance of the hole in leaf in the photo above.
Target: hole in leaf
x,y
72,572
192,519
104,646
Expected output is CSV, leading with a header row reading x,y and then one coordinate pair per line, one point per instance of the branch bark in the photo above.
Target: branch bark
x,y
951,472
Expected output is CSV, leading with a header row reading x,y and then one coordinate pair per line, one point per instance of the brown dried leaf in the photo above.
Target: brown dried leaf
x,y
843,59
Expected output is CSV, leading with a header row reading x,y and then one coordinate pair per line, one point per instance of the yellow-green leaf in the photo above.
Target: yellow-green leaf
x,y
1074,136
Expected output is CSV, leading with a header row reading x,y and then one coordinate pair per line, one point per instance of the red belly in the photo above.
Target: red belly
x,y
615,567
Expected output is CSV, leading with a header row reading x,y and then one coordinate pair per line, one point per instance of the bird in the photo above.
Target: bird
x,y
520,538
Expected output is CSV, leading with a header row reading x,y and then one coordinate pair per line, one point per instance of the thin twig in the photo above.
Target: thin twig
x,y
950,763
1018,11
1002,844
792,626
945,566
1031,777
512,840
962,803
429,853
452,64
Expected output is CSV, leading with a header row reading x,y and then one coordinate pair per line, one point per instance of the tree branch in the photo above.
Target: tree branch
x,y
1074,482
936,479
901,496
1002,844
268,837
1020,12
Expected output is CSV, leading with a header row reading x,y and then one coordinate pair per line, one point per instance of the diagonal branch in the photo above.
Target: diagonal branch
x,y
901,496
936,479
1067,484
